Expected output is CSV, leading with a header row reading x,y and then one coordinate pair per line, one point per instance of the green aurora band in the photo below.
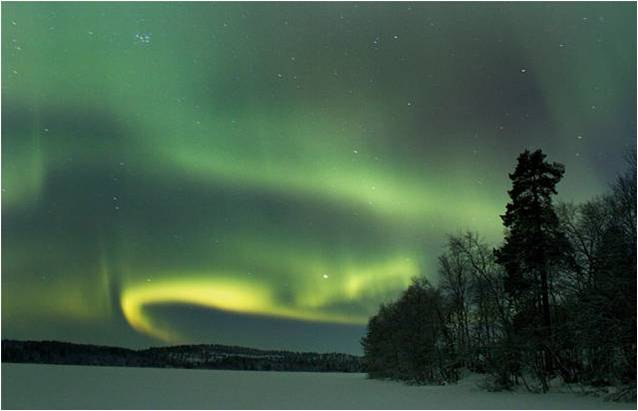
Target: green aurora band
x,y
292,161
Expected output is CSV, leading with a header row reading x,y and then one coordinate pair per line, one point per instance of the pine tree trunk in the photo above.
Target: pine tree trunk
x,y
547,322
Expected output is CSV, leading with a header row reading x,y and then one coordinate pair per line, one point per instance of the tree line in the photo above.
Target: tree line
x,y
203,356
557,298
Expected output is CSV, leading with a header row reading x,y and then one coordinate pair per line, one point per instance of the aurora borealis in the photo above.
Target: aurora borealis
x,y
266,174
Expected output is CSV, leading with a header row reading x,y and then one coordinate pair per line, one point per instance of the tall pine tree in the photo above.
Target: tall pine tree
x,y
532,251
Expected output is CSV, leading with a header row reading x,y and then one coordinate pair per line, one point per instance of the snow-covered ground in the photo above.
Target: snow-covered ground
x,y
72,387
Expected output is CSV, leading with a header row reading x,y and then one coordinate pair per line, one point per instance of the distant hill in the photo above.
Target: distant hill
x,y
206,356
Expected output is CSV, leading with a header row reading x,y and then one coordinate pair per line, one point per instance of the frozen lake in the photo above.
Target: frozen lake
x,y
72,387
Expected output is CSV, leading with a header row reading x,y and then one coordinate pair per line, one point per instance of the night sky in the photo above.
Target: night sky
x,y
267,174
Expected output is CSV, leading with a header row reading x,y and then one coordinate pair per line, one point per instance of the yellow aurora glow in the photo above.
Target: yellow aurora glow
x,y
224,292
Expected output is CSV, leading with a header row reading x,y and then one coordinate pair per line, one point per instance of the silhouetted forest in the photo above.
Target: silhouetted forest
x,y
206,356
557,298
